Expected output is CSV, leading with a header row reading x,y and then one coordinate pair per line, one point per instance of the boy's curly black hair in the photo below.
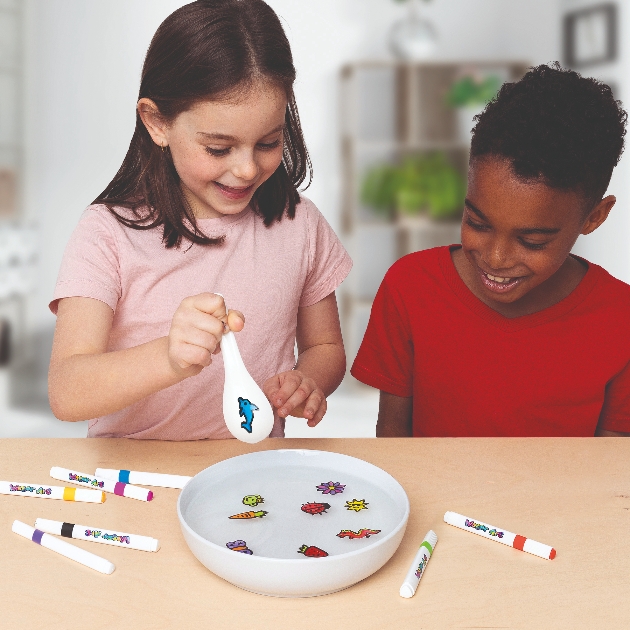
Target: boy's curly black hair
x,y
557,127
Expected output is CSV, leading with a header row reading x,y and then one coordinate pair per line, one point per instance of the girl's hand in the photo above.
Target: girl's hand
x,y
196,331
293,393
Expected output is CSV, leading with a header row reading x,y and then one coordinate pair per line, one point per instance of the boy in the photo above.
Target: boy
x,y
510,334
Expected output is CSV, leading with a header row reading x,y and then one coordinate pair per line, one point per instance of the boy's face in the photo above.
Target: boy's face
x,y
516,238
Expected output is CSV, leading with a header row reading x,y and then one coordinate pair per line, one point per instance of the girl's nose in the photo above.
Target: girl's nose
x,y
245,167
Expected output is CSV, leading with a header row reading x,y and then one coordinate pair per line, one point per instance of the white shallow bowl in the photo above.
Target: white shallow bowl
x,y
286,480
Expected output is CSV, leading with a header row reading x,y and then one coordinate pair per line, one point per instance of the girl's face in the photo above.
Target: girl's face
x,y
517,236
224,150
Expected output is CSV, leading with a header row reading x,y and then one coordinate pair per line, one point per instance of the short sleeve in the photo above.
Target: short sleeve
x,y
329,263
615,414
90,264
385,358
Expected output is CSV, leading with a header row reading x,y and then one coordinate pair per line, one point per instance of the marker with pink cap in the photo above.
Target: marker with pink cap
x,y
500,535
97,483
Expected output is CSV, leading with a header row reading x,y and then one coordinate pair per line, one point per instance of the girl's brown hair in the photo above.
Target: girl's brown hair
x,y
207,50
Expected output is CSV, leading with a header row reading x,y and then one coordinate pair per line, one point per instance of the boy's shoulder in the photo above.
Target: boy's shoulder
x,y
608,290
426,262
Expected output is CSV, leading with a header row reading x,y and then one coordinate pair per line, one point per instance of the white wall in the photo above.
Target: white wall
x,y
609,245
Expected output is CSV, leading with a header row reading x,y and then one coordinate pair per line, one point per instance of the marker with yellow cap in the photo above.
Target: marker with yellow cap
x,y
108,485
18,489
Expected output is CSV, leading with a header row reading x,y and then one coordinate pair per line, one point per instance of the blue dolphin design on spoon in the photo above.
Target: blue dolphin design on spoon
x,y
246,410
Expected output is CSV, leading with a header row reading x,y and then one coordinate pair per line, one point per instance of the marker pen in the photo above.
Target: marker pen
x,y
143,478
499,535
108,485
18,489
65,549
98,534
419,564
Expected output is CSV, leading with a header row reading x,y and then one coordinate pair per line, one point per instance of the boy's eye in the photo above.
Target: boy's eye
x,y
268,146
217,152
480,227
534,246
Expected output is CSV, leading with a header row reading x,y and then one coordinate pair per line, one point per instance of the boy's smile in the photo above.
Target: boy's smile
x,y
517,236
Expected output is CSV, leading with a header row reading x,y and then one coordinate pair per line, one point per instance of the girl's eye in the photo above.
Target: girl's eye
x,y
217,152
268,146
480,227
534,246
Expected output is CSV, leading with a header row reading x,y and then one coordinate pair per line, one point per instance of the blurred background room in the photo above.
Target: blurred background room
x,y
386,91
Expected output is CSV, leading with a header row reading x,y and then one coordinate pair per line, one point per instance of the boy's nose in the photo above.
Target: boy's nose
x,y
498,256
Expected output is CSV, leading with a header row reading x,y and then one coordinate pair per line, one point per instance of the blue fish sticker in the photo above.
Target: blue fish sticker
x,y
246,410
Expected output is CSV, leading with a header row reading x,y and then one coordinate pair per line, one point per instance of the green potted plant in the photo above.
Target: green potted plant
x,y
469,94
420,183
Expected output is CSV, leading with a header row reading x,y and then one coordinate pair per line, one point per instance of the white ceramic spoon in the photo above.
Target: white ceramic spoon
x,y
247,412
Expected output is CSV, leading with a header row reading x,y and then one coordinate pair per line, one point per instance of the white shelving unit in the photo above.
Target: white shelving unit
x,y
389,110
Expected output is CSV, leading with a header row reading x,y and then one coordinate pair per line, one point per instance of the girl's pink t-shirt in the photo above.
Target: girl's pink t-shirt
x,y
267,273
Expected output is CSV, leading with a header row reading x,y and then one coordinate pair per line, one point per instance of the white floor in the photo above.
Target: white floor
x,y
352,412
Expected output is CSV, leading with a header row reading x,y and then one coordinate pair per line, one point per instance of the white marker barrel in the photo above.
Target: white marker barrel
x,y
65,549
98,534
418,566
143,478
500,535
108,485
19,489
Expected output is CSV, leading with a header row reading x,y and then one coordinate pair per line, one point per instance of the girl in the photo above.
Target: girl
x,y
206,200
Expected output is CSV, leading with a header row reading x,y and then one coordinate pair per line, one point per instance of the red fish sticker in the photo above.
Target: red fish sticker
x,y
362,533
315,508
312,551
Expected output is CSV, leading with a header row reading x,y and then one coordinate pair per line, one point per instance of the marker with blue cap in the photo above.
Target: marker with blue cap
x,y
143,478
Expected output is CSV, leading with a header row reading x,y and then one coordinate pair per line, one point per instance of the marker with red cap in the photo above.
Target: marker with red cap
x,y
96,483
500,535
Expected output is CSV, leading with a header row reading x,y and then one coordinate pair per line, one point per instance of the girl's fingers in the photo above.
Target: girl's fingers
x,y
209,303
299,396
317,418
293,391
235,321
186,355
313,404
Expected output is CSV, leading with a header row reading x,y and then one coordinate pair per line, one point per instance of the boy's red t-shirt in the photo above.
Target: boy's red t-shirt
x,y
475,373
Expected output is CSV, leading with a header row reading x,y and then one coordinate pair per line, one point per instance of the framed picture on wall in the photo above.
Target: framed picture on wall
x,y
590,35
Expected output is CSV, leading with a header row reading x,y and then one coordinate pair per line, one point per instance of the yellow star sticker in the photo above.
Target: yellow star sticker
x,y
357,505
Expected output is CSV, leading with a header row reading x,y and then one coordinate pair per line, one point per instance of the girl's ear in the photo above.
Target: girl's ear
x,y
153,121
598,214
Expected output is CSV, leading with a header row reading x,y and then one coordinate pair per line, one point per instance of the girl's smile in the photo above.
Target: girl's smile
x,y
224,150
235,193
517,237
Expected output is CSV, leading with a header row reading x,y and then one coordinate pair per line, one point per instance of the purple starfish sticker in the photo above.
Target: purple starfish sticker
x,y
332,488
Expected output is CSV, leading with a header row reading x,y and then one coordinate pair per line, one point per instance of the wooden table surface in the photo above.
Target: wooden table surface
x,y
573,494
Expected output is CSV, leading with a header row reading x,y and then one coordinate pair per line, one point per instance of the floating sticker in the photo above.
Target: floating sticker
x,y
362,533
246,410
357,505
253,500
249,514
332,488
315,508
239,545
312,552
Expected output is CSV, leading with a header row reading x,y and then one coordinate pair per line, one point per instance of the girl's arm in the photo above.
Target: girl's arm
x,y
85,381
320,367
394,416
